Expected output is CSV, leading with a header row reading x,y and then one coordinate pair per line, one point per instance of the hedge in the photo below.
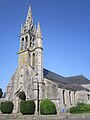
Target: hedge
x,y
27,107
47,107
80,108
6,107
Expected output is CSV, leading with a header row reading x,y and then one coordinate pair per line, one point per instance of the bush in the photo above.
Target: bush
x,y
80,104
75,110
47,107
7,107
27,107
80,108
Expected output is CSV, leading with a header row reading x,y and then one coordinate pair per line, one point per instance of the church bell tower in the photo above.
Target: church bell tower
x,y
28,77
27,42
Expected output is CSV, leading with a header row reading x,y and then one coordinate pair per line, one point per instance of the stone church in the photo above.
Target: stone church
x,y
33,82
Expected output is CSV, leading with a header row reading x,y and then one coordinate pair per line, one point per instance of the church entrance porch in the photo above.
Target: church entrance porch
x,y
18,97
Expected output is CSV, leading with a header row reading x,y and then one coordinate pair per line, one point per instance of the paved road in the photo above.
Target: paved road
x,y
77,118
60,117
87,118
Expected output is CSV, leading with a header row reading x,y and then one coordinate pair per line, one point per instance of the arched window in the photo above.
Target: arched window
x,y
26,41
70,97
74,96
22,44
64,97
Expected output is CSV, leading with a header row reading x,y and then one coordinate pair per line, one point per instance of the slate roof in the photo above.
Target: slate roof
x,y
73,87
53,76
77,87
80,79
70,83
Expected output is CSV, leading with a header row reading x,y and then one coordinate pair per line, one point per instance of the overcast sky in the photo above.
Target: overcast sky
x,y
65,28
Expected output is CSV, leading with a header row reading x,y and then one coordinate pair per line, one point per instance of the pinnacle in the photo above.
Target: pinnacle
x,y
38,27
30,9
39,30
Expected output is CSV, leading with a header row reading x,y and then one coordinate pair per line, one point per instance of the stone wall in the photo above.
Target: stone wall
x,y
53,92
82,96
45,117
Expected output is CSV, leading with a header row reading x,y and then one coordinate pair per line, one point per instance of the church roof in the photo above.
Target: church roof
x,y
80,79
54,77
70,83
73,87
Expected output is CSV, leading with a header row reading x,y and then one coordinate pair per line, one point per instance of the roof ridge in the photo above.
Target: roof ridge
x,y
75,76
54,72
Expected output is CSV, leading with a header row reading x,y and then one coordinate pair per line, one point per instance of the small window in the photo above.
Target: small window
x,y
64,97
30,44
30,38
25,30
20,82
88,95
21,75
22,47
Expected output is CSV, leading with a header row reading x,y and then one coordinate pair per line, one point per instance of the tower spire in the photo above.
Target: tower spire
x,y
38,33
29,15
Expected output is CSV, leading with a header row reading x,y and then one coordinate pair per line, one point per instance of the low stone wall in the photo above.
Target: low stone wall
x,y
43,117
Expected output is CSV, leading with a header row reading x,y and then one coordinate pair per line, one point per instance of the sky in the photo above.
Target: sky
x,y
65,26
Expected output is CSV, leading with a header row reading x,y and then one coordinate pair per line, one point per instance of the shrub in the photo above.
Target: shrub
x,y
7,107
27,107
75,110
47,107
80,108
80,104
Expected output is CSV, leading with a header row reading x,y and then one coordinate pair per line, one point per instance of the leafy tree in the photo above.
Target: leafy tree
x,y
1,93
